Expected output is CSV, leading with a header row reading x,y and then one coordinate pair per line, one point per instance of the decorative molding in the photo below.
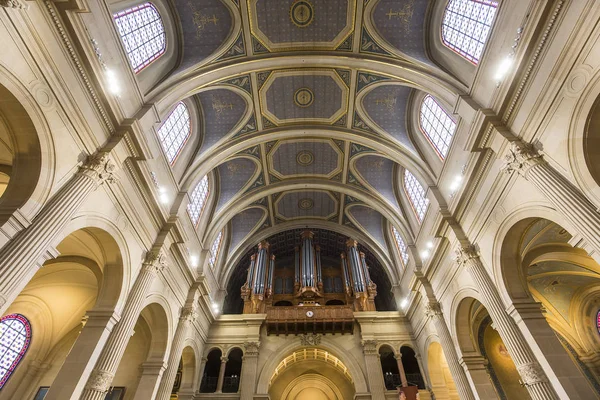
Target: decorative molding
x,y
100,168
433,309
189,313
369,347
521,158
310,339
100,381
155,261
531,373
13,4
465,253
251,349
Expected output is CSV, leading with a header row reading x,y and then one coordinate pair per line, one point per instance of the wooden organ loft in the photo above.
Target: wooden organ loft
x,y
308,293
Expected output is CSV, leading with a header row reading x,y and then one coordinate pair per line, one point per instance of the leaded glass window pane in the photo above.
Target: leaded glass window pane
x,y
416,195
402,248
214,250
437,125
142,33
174,132
466,26
198,200
15,336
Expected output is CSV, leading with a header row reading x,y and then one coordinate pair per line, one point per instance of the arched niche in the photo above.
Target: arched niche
x,y
233,370
389,367
210,375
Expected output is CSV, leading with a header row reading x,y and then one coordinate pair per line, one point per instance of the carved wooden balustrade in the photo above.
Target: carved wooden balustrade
x,y
303,319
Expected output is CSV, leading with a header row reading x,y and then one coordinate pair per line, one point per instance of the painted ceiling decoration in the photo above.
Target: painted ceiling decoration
x,y
244,224
368,219
378,173
234,177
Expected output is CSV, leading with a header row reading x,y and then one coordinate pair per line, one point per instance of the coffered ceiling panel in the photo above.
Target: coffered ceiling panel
x,y
303,158
222,110
234,175
386,106
306,204
301,24
205,25
299,96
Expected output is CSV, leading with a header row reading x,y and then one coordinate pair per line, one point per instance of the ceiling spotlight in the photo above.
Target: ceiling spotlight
x,y
456,183
425,254
164,198
503,68
430,244
194,261
404,303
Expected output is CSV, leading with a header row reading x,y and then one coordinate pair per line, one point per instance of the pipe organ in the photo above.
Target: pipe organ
x,y
308,279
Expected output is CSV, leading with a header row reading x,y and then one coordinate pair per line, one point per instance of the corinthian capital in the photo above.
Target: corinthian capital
x,y
189,313
155,261
520,158
99,167
100,381
369,346
13,4
251,349
433,309
465,253
531,373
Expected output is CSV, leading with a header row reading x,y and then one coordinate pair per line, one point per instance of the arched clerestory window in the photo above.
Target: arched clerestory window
x,y
142,33
175,131
198,200
401,245
466,26
215,249
416,195
15,336
437,126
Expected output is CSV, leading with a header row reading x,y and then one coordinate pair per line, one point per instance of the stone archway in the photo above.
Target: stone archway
x,y
441,380
312,387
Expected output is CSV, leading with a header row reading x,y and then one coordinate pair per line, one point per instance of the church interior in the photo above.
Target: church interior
x,y
299,199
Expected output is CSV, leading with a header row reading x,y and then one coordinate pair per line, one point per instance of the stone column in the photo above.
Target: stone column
x,y
26,252
398,358
374,372
186,321
434,312
108,362
76,369
423,375
532,374
221,375
565,197
249,370
148,384
476,367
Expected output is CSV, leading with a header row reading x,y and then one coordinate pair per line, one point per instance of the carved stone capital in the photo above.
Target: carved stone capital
x,y
310,339
531,373
251,349
433,310
224,360
155,261
370,347
464,254
520,158
13,4
99,167
189,313
100,381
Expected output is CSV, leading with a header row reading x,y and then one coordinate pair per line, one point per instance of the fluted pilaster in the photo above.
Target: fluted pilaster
x,y
108,362
434,312
186,321
249,370
374,372
22,256
565,197
529,369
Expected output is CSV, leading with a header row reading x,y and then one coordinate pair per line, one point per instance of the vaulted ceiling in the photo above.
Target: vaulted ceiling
x,y
306,114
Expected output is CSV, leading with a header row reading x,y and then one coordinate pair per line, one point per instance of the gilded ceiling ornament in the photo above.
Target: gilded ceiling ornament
x,y
304,97
305,158
220,106
201,20
389,102
305,204
302,13
404,15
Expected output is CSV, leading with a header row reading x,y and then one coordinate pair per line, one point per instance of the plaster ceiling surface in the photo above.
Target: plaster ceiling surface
x,y
310,139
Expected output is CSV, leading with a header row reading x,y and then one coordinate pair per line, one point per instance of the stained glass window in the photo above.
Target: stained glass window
x,y
175,131
402,249
142,33
214,250
437,125
15,336
198,200
466,26
416,195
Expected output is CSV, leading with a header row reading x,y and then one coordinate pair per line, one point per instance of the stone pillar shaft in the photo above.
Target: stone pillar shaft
x,y
531,372
457,371
221,375
249,370
401,370
188,315
26,252
565,197
374,372
108,362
